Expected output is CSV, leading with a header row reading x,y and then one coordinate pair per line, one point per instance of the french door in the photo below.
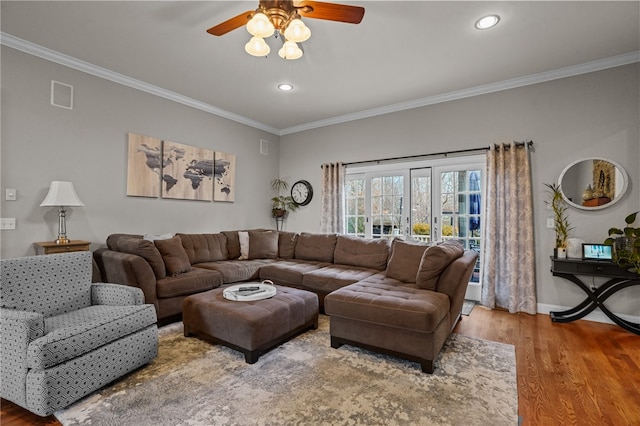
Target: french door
x,y
432,202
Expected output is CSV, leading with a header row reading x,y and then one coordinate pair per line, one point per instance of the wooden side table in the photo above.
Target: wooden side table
x,y
50,247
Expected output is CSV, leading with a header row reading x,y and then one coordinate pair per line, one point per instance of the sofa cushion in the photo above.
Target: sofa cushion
x,y
435,259
289,272
287,244
263,244
233,271
316,247
174,256
405,260
233,244
70,335
332,277
146,249
205,247
356,251
195,281
378,302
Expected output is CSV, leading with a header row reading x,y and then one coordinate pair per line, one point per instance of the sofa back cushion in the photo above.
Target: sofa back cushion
x,y
435,260
205,247
287,244
405,260
233,244
318,247
174,256
135,244
263,244
356,251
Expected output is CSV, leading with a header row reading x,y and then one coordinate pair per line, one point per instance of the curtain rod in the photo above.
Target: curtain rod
x,y
529,144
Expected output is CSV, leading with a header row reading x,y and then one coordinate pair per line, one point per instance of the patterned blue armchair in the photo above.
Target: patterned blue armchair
x,y
64,337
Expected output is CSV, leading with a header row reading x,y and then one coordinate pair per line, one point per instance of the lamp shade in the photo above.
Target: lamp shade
x,y
297,31
257,47
61,194
260,26
290,50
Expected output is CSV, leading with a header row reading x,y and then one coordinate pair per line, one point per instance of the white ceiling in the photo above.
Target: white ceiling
x,y
403,53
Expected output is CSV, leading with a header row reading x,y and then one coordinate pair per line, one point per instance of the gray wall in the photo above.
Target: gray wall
x,y
589,115
88,146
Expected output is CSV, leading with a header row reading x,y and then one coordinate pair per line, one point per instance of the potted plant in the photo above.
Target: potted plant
x,y
560,219
281,203
626,247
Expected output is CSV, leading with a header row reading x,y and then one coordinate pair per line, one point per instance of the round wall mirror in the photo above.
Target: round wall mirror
x,y
593,183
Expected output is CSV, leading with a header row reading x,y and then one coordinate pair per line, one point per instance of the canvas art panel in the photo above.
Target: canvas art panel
x,y
187,172
224,188
144,166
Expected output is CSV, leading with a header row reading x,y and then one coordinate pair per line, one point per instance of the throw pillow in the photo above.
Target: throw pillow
x,y
175,257
287,244
263,244
153,237
434,261
405,260
145,249
243,236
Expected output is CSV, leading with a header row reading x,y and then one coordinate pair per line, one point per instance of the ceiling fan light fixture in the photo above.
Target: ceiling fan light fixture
x,y
487,22
290,50
297,31
257,47
260,25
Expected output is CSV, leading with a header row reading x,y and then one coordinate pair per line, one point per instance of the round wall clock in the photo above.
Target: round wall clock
x,y
301,192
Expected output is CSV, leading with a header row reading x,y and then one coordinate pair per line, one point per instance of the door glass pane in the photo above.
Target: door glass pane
x,y
421,208
387,206
355,211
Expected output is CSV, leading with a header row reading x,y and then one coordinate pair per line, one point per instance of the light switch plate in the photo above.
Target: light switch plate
x,y
10,194
550,223
7,223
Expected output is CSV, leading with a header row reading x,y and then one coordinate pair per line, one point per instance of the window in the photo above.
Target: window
x,y
428,200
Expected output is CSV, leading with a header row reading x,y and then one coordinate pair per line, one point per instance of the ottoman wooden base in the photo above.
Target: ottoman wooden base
x,y
250,327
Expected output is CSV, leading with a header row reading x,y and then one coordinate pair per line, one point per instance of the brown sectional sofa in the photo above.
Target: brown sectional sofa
x,y
395,297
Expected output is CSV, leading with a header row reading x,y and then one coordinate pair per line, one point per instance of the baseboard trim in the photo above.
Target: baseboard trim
x,y
596,316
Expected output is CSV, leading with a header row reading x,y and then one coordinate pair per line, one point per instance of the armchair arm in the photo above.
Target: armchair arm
x,y
19,328
115,294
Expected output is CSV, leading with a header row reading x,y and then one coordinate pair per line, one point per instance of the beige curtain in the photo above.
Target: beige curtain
x,y
332,198
509,265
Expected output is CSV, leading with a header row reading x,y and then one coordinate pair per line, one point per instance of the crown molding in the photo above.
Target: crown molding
x,y
601,64
80,65
86,67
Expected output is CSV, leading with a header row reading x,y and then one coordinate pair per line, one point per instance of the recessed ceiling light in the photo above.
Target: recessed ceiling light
x,y
285,87
487,22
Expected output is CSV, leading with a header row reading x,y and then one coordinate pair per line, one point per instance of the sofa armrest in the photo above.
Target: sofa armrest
x,y
116,295
128,269
19,328
454,281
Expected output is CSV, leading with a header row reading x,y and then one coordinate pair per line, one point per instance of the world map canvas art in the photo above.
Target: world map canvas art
x,y
144,166
225,177
187,172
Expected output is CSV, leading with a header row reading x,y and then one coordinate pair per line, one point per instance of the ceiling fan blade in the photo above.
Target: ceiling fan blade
x,y
231,24
330,11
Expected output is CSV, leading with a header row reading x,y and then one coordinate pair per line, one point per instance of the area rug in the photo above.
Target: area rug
x,y
306,382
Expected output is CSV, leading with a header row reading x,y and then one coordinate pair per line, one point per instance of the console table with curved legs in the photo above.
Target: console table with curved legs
x,y
619,279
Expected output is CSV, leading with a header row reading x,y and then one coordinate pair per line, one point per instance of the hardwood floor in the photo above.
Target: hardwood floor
x,y
581,373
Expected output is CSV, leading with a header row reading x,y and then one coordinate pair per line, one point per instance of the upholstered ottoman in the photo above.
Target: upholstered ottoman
x,y
250,327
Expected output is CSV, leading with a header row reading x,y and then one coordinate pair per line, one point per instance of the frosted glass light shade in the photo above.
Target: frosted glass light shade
x,y
290,50
257,47
260,26
297,31
61,194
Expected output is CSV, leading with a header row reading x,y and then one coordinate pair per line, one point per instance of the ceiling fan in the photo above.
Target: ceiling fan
x,y
285,17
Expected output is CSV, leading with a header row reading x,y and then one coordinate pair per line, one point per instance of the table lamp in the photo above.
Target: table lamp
x,y
61,194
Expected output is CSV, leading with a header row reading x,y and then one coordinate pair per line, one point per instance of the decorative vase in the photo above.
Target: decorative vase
x,y
587,194
623,248
561,252
574,248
